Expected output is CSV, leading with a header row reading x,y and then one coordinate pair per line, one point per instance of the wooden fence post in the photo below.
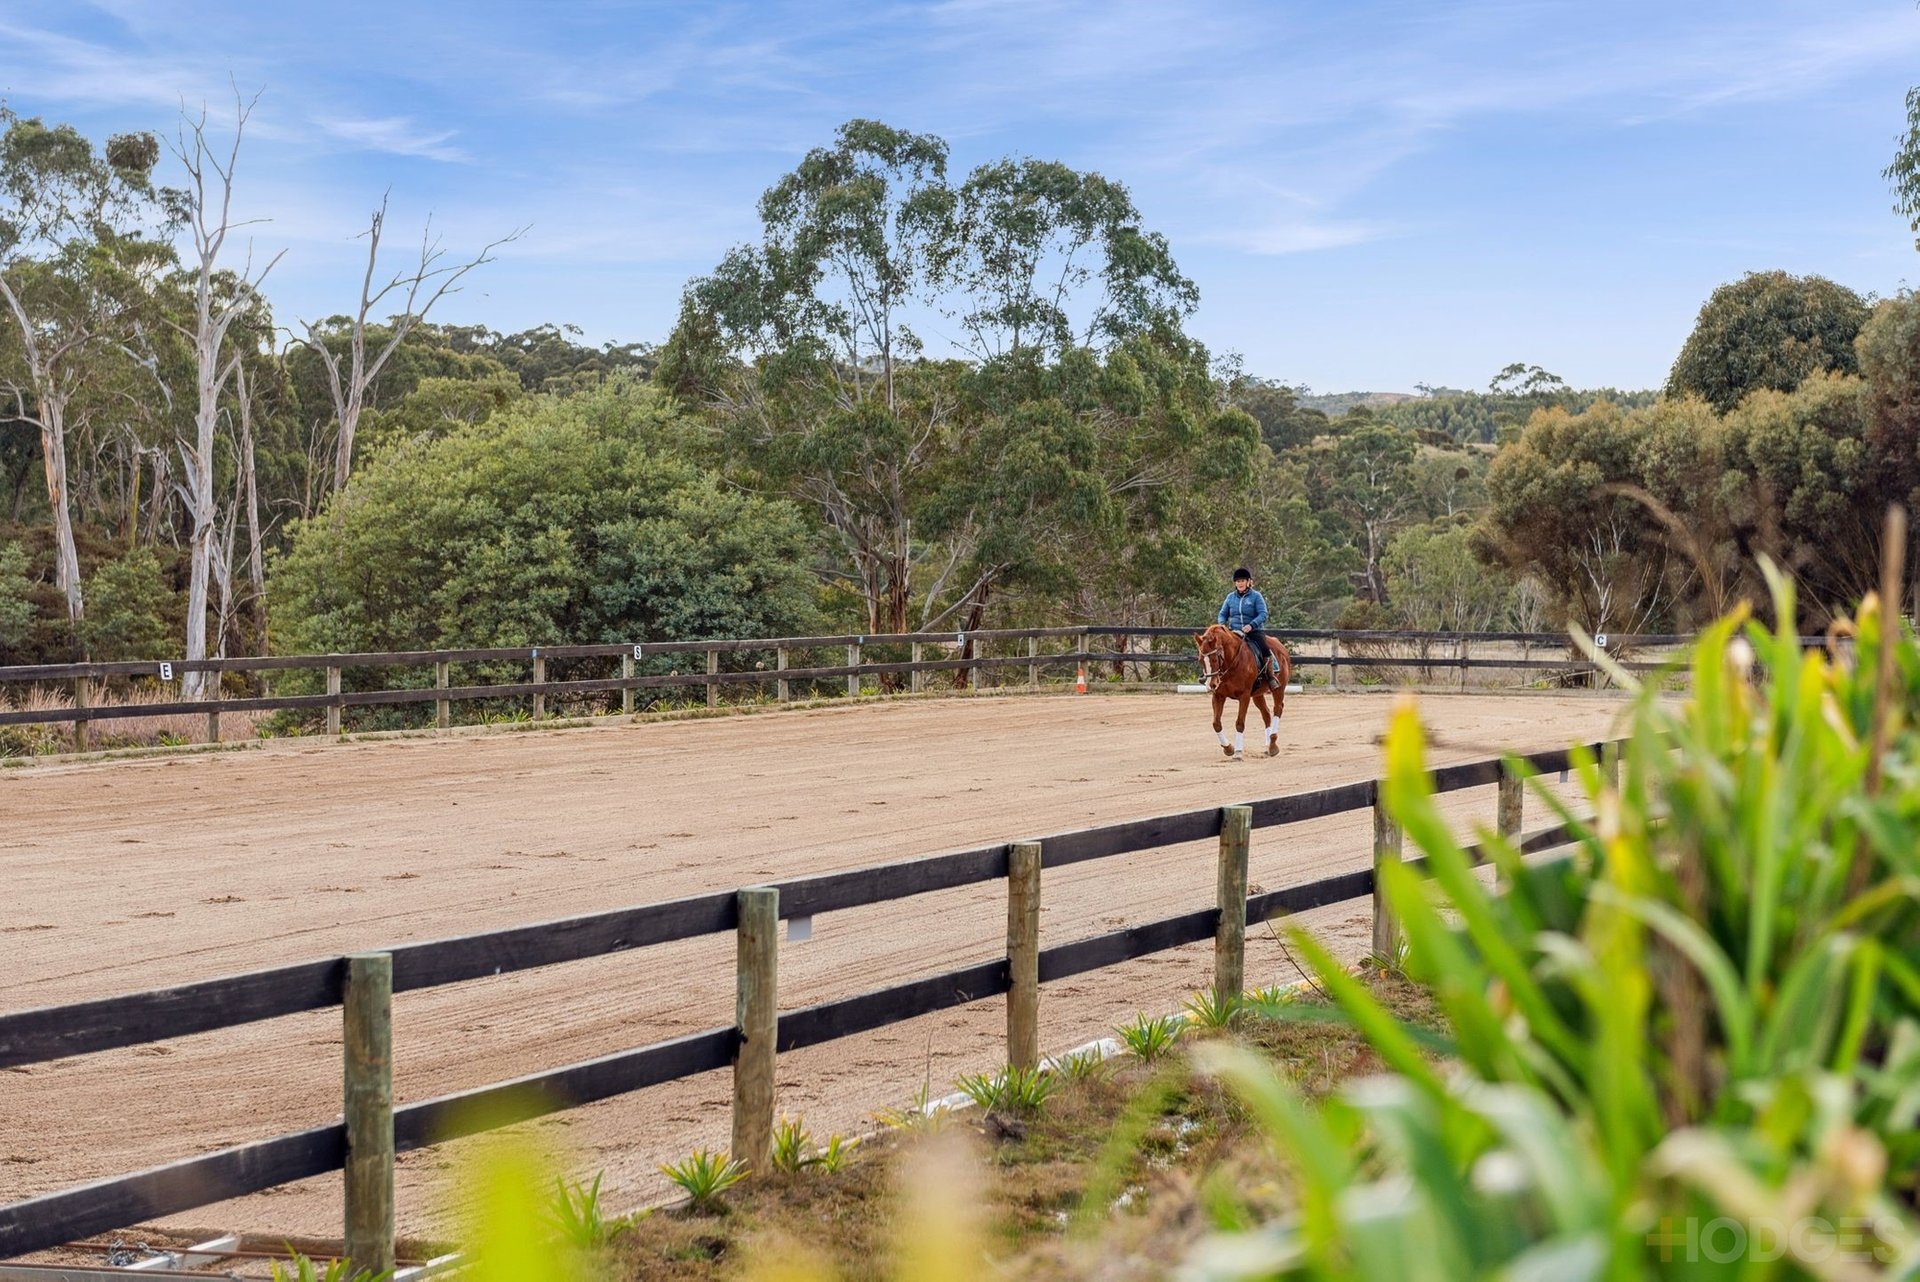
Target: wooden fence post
x,y
1023,954
213,725
333,709
1466,652
918,682
756,1017
1033,663
853,678
1333,663
785,687
973,673
443,708
1610,762
1386,850
713,687
539,678
82,700
626,694
1230,936
367,1009
1512,804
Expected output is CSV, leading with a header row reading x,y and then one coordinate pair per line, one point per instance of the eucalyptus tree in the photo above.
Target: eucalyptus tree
x,y
941,479
1037,241
819,311
73,263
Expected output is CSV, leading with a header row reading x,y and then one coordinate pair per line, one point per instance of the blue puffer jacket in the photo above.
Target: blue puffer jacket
x,y
1243,608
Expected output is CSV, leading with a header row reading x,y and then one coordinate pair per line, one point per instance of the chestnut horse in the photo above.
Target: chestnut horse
x,y
1231,667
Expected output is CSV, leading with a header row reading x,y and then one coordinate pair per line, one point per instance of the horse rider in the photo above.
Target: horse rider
x,y
1244,611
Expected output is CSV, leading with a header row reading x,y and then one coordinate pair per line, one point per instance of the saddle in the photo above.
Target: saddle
x,y
1270,667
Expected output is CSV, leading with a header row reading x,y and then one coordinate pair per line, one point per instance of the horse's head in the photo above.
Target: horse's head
x,y
1214,646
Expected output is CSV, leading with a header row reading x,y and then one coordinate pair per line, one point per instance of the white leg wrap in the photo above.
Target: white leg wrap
x,y
1239,741
1273,730
1223,737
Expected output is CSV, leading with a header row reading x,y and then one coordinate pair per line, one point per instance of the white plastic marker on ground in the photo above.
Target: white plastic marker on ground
x,y
1189,689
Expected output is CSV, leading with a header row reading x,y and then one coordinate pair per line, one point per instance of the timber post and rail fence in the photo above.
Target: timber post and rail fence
x,y
1436,657
372,1129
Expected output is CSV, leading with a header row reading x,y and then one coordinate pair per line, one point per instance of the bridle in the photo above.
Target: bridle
x,y
1208,672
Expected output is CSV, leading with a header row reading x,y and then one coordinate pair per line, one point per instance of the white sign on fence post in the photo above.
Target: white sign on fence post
x,y
1600,642
166,672
799,929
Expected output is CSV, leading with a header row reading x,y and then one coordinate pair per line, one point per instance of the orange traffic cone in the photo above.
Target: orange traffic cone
x,y
1080,682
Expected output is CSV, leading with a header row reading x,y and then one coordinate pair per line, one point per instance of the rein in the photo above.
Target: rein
x,y
1211,675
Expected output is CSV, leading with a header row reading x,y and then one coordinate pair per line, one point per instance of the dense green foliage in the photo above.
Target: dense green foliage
x,y
1488,418
1652,518
1767,330
556,518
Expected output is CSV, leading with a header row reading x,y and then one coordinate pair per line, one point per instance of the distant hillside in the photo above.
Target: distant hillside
x,y
1334,404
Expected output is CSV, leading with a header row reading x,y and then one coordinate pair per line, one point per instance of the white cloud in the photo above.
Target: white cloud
x,y
1299,237
398,135
46,66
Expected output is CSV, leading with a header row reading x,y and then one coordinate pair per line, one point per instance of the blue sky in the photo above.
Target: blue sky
x,y
1369,195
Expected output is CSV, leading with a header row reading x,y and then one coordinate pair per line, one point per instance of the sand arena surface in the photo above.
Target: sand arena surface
x,y
138,874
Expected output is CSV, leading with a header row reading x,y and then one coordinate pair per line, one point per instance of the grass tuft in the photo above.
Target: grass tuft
x,y
703,1176
1149,1037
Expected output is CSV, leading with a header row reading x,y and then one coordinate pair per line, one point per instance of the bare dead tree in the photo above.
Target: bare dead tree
x,y
256,561
419,287
209,194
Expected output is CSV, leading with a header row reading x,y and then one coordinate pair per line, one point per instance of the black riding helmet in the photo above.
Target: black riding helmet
x,y
1243,573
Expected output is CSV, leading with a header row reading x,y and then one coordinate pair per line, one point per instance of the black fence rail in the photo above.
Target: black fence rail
x,y
83,1028
965,657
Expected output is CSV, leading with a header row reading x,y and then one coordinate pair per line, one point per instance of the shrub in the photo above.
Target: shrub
x,y
551,521
128,609
16,607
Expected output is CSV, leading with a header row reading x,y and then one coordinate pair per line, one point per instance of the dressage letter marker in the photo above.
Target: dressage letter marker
x,y
799,929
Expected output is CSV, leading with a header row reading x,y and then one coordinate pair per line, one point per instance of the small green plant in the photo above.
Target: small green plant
x,y
1274,1002
1148,1038
704,1175
299,1268
1011,1090
918,1115
790,1145
830,1160
577,1219
1214,1011
1080,1066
